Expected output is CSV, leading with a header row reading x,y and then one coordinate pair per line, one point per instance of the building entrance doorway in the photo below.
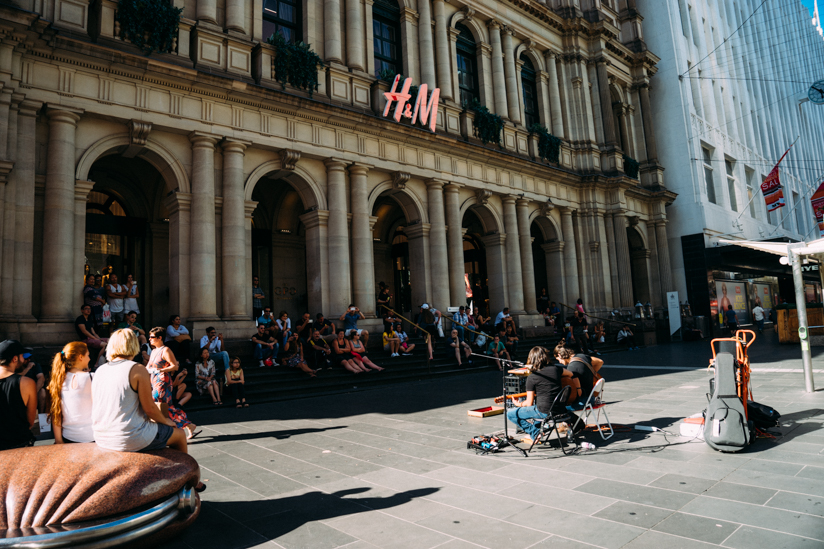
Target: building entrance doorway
x,y
127,231
476,278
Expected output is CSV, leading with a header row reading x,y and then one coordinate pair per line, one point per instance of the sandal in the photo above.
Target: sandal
x,y
193,435
245,404
239,406
200,487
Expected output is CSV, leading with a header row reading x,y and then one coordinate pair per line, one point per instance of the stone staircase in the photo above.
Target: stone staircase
x,y
284,383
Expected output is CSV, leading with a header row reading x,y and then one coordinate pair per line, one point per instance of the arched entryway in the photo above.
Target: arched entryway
x,y
391,253
127,231
279,247
639,259
547,257
484,259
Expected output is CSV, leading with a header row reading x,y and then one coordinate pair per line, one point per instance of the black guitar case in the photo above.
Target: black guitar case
x,y
725,422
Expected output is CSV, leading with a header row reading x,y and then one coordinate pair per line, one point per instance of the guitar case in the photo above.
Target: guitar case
x,y
725,421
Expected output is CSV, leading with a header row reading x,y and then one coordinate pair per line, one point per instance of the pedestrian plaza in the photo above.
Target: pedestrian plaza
x,y
389,468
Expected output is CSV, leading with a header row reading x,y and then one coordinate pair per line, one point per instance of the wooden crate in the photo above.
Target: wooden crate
x,y
787,324
486,411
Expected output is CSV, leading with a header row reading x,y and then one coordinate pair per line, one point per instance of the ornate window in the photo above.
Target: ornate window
x,y
530,92
386,28
467,66
282,17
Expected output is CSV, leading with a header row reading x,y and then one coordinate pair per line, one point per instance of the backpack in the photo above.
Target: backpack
x,y
725,421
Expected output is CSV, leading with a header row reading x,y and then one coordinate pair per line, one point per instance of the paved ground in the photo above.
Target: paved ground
x,y
390,468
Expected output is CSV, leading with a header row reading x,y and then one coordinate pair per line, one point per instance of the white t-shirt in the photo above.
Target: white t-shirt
x,y
284,325
758,313
500,317
76,403
214,346
172,333
130,303
115,303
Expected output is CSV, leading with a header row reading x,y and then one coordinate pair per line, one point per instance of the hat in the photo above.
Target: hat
x,y
28,351
10,349
425,306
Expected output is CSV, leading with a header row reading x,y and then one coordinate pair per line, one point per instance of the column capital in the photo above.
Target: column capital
x,y
508,198
62,113
359,168
495,239
435,183
566,210
204,139
494,24
230,144
178,202
419,230
522,202
551,247
315,218
249,208
28,107
661,222
550,54
335,165
506,29
452,187
82,189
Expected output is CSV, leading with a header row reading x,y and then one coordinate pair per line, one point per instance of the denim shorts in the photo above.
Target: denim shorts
x,y
161,439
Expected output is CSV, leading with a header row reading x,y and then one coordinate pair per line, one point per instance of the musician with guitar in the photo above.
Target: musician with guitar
x,y
583,367
542,386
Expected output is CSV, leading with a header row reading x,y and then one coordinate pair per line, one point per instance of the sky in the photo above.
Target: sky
x,y
809,5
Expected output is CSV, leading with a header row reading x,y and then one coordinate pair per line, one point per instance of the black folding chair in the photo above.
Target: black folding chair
x,y
553,418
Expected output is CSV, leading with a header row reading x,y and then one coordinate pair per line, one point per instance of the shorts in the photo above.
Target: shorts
x,y
293,361
349,331
161,439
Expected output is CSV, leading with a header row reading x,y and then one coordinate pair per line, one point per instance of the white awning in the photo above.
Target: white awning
x,y
780,248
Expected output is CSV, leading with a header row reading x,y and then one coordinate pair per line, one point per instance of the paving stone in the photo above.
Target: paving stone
x,y
812,505
681,483
645,495
697,528
483,531
634,514
740,492
388,532
657,540
748,537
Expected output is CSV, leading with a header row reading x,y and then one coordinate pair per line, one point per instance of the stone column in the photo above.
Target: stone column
x,y
419,274
623,130
354,35
23,176
514,276
554,95
610,137
528,269
622,256
9,217
58,216
498,78
5,104
439,258
316,224
427,55
442,50
338,240
363,269
457,287
512,95
570,256
609,227
236,16
556,284
81,195
202,247
235,280
179,206
496,273
207,11
649,133
332,50
665,272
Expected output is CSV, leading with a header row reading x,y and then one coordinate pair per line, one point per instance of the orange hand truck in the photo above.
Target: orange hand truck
x,y
737,346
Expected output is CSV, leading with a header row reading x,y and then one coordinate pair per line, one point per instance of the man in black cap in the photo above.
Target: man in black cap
x,y
18,398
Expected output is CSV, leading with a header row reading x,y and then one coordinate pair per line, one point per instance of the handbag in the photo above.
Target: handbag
x,y
107,314
480,341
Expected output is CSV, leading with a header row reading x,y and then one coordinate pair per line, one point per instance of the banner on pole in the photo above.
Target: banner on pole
x,y
771,188
817,201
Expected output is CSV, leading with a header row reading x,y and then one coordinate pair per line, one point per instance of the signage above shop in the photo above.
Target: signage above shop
x,y
425,112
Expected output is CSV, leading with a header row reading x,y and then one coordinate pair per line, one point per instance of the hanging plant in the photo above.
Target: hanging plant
x,y
631,167
549,146
487,125
295,64
151,25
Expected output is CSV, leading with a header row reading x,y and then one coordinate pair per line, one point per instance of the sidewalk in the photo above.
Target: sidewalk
x,y
390,468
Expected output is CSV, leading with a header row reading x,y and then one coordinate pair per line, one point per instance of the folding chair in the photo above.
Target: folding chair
x,y
553,418
595,404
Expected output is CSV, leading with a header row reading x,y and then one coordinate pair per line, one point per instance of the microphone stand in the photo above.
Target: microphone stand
x,y
507,440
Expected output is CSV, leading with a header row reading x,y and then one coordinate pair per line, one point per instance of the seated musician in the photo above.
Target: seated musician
x,y
583,367
544,383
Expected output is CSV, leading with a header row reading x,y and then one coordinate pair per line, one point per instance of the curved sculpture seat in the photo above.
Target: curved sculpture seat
x,y
69,494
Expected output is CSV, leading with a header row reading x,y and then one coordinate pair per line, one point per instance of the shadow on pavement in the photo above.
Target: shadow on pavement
x,y
279,435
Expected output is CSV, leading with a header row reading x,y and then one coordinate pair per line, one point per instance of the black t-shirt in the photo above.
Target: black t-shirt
x,y
546,383
88,323
320,325
383,295
34,371
583,373
266,338
14,422
306,332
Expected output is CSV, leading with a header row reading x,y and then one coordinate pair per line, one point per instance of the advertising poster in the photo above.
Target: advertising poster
x,y
731,292
817,201
762,296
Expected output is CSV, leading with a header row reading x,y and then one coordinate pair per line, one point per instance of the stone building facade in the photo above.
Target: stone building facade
x,y
740,101
195,169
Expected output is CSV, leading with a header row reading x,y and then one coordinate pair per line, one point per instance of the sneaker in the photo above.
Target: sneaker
x,y
274,363
262,364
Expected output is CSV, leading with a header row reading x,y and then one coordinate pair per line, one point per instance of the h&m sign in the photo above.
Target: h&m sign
x,y
425,112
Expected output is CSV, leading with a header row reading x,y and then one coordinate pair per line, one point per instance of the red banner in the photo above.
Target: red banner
x,y
817,201
771,187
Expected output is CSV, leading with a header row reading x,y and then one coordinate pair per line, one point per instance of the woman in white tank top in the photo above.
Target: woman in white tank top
x,y
70,388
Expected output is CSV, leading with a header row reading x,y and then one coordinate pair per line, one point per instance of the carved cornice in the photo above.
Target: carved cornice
x,y
399,180
482,196
289,159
